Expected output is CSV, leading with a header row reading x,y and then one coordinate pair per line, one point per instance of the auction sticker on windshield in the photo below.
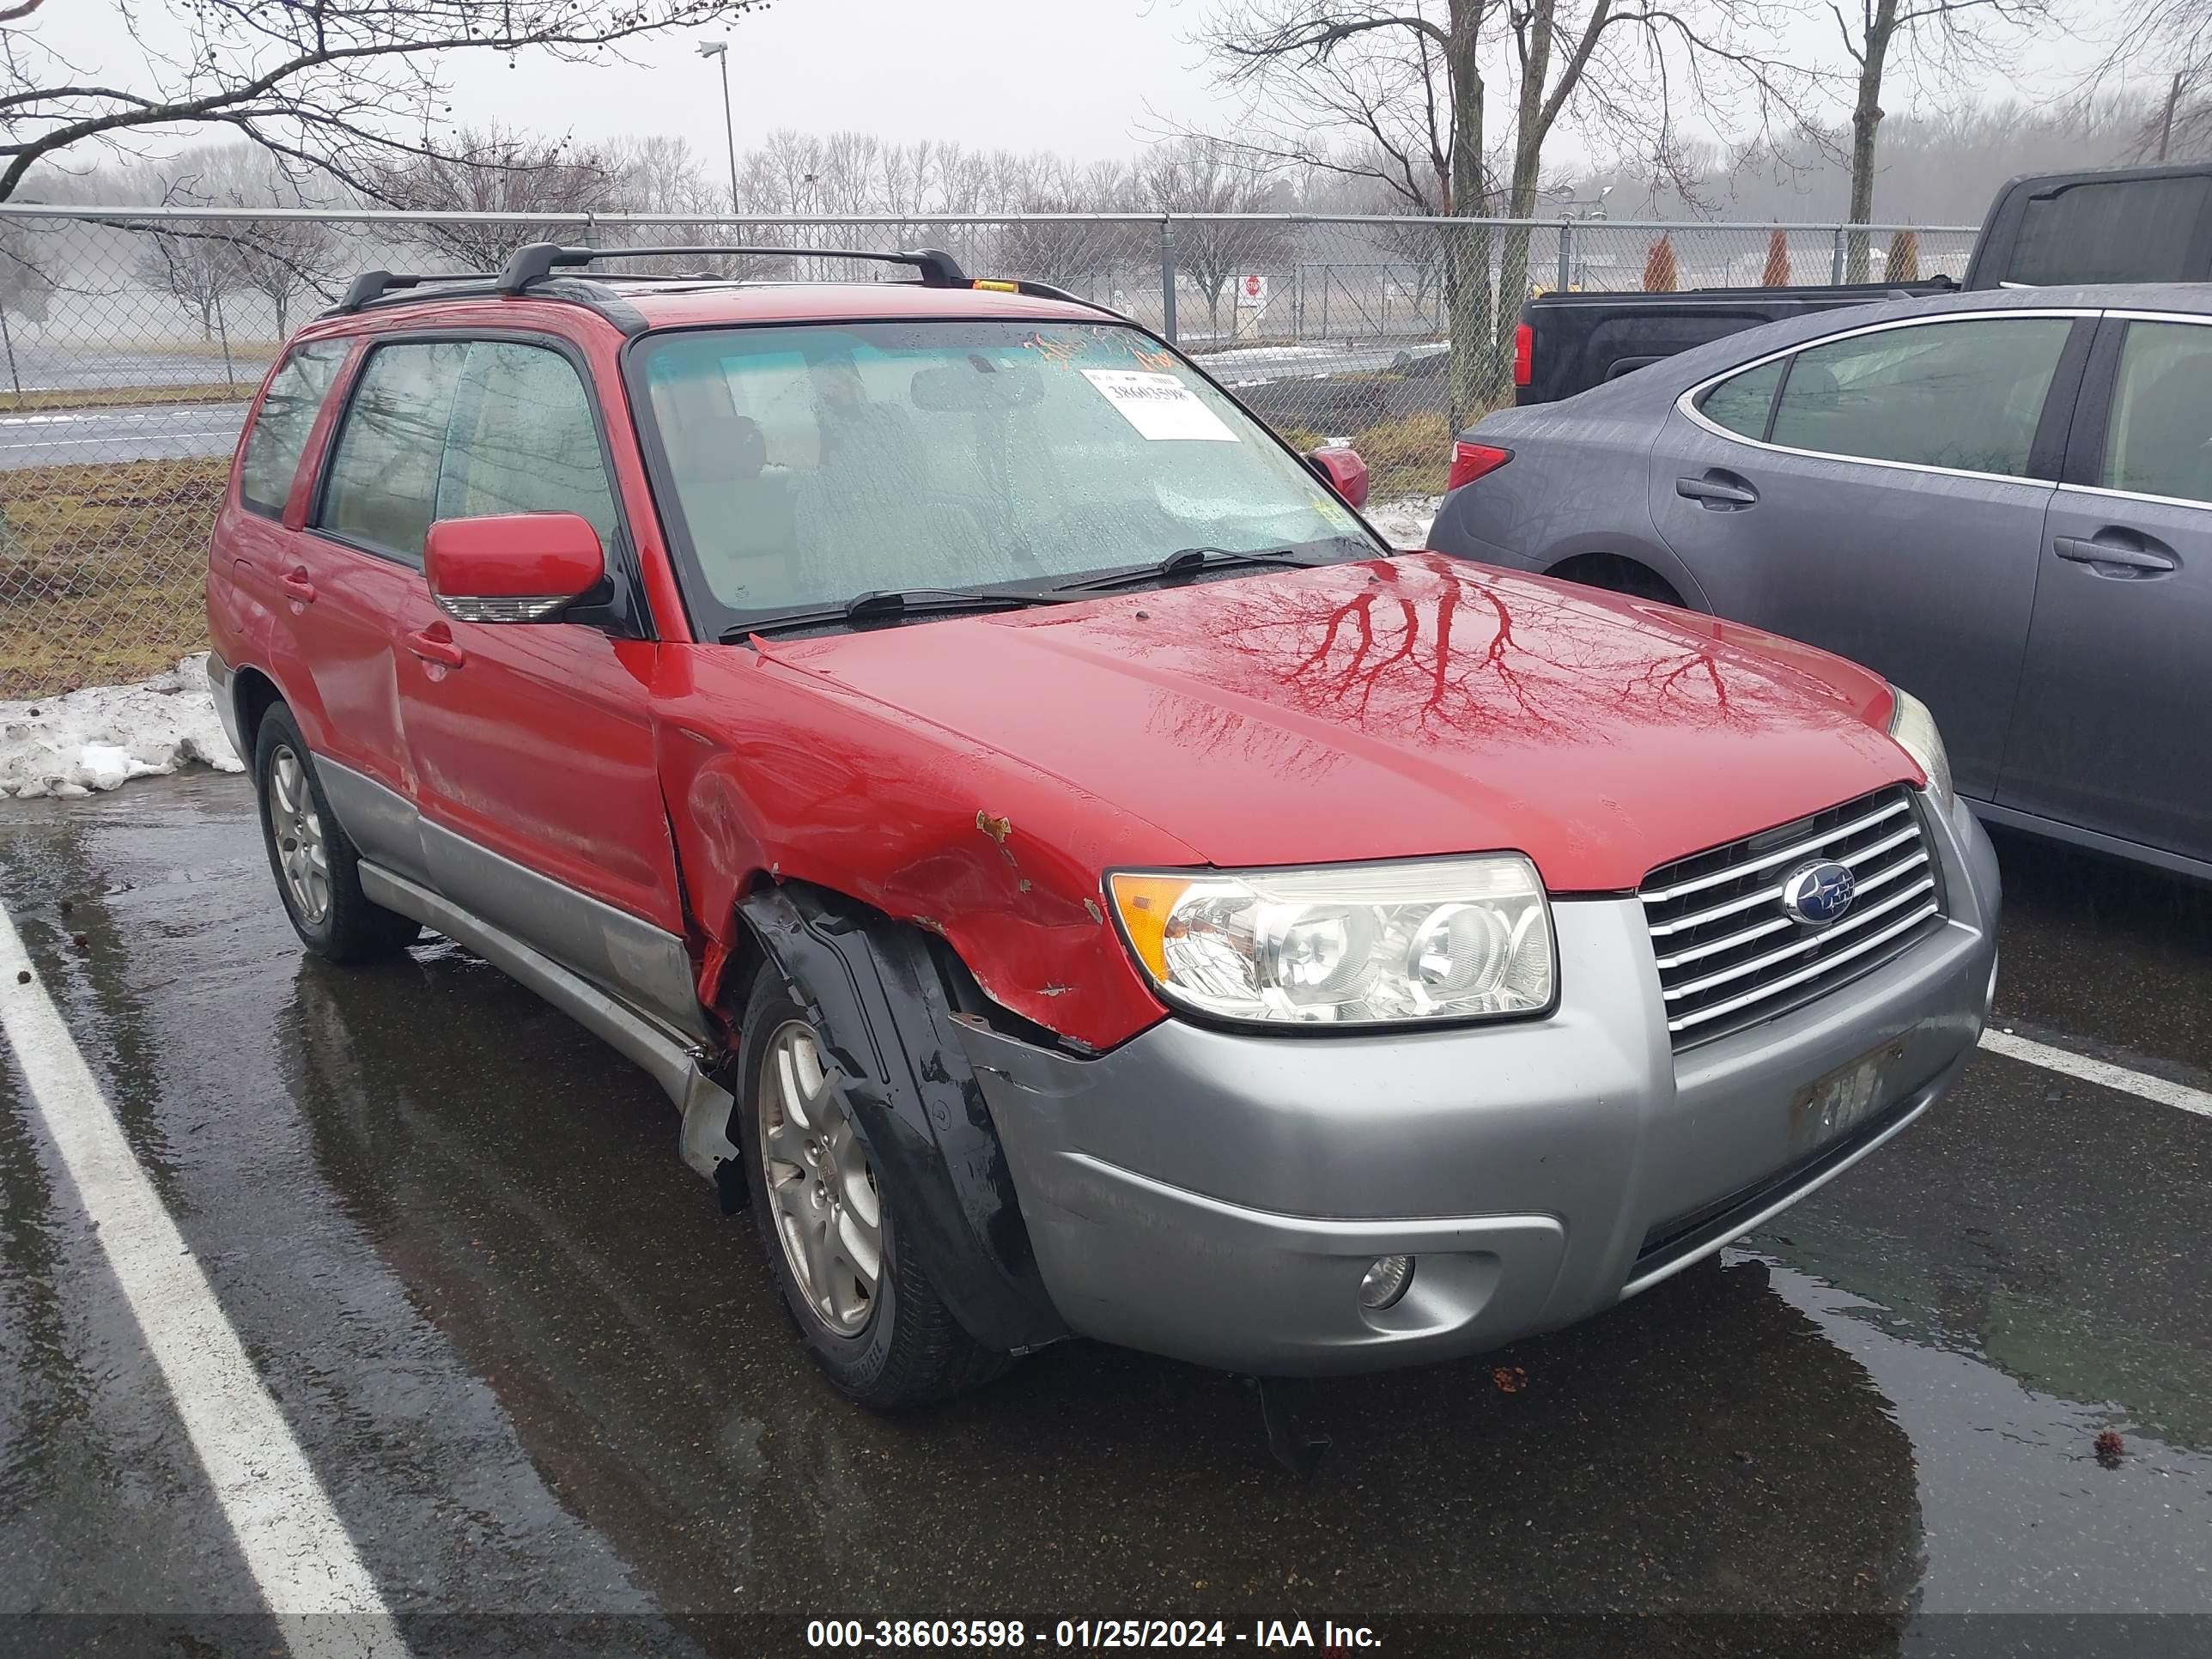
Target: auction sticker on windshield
x,y
1159,405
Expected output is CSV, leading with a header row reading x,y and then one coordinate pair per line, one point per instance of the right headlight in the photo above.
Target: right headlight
x,y
1345,945
1914,729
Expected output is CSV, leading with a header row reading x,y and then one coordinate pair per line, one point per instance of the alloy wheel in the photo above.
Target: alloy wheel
x,y
302,853
825,1204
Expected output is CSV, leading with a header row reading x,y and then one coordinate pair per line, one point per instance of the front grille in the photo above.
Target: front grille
x,y
1730,955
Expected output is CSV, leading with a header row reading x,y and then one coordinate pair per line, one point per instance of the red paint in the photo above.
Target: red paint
x,y
1346,472
514,556
976,775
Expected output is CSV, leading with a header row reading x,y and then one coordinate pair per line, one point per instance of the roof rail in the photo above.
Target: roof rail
x,y
373,285
538,260
1035,290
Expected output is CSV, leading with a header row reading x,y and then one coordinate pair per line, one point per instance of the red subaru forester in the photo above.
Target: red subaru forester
x,y
1069,875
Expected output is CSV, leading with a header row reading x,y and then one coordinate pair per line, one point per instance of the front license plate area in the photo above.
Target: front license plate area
x,y
1831,1107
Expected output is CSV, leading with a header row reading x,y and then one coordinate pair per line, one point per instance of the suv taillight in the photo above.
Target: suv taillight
x,y
1471,461
1524,354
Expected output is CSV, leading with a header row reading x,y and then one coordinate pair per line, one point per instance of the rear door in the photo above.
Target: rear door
x,y
350,570
2114,732
1881,493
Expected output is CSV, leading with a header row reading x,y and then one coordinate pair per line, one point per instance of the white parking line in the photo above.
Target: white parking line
x,y
2099,1072
325,1601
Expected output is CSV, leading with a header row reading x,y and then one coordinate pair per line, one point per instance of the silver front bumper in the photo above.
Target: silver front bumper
x,y
1215,1196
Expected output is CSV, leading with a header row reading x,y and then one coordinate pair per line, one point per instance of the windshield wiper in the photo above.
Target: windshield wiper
x,y
1185,562
879,601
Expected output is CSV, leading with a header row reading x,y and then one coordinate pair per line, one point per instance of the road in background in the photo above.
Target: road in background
x,y
63,437
538,1373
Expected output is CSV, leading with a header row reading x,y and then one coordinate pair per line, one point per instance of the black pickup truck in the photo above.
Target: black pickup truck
x,y
2121,225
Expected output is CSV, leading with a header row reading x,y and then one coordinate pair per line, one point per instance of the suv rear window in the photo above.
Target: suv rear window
x,y
2128,230
280,429
810,465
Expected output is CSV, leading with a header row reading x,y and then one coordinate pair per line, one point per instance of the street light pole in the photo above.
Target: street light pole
x,y
721,49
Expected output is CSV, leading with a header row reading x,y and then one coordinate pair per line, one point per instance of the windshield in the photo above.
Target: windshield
x,y
810,464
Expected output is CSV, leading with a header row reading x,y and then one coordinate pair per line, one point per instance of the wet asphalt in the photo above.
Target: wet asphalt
x,y
554,1401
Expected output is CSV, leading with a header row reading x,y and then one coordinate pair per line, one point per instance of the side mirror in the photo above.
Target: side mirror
x,y
511,566
1342,470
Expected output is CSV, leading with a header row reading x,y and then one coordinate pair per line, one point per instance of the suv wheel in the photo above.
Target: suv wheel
x,y
314,862
829,1222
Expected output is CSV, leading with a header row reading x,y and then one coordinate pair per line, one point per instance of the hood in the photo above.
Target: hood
x,y
1399,707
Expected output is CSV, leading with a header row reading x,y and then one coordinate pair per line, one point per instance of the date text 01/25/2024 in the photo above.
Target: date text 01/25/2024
x,y
894,1634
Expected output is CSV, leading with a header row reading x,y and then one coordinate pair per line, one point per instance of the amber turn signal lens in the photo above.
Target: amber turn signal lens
x,y
1144,903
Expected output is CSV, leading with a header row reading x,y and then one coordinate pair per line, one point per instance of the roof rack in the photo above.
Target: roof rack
x,y
373,285
538,260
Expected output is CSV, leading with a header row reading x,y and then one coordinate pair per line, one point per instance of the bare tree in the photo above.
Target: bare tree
x,y
1195,175
1951,40
489,171
1397,91
275,259
2174,38
335,86
1074,254
196,266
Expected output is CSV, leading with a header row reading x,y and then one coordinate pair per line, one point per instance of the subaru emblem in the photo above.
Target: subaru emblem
x,y
1818,893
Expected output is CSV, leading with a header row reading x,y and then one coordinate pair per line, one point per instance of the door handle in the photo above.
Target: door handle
x,y
2148,559
435,644
297,587
1719,494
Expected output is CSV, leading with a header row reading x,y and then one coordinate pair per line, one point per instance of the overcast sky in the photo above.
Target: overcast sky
x,y
1066,74
1091,78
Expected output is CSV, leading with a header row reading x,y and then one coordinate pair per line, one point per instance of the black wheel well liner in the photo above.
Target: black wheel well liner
x,y
885,997
1594,566
253,693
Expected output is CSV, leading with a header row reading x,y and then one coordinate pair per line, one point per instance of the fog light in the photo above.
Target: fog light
x,y
1385,1282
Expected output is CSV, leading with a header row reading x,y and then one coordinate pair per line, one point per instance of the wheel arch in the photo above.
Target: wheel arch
x,y
1621,572
885,998
253,693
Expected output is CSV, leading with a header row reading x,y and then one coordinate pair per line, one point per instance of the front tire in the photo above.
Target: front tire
x,y
865,1308
316,864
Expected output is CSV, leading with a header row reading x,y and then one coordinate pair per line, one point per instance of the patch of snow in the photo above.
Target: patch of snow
x,y
1405,522
102,737
1267,354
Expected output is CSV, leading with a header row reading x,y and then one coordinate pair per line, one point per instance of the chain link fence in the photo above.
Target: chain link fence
x,y
133,339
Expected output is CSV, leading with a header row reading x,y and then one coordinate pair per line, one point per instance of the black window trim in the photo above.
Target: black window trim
x,y
626,613
2084,449
2074,350
338,386
660,484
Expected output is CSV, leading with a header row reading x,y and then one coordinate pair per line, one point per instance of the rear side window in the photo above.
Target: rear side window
x,y
1964,396
280,431
522,440
2128,230
382,489
1742,402
2158,441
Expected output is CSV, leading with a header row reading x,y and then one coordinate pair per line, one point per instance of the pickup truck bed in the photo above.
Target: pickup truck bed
x,y
1576,341
2055,229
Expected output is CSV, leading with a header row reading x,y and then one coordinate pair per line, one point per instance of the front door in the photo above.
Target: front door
x,y
2114,733
1875,495
532,744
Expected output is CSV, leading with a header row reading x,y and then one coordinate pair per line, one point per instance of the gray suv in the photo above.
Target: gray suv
x,y
2002,500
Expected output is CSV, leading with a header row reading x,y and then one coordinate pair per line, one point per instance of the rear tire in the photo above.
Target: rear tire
x,y
885,1339
316,865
